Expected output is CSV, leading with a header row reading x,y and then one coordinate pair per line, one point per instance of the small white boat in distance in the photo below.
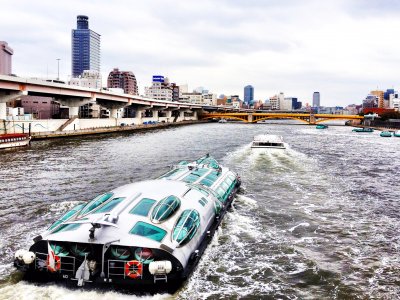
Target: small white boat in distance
x,y
266,141
222,121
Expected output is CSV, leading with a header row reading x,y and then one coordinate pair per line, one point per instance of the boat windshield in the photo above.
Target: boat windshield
x,y
170,173
96,202
195,175
109,206
149,231
268,144
67,227
207,160
67,216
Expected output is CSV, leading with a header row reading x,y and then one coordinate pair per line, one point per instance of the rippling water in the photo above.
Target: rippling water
x,y
317,221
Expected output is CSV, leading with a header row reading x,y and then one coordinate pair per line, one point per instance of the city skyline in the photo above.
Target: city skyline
x,y
296,47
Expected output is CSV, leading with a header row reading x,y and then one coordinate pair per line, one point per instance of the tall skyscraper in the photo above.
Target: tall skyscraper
x,y
85,48
380,94
248,94
125,80
5,58
316,99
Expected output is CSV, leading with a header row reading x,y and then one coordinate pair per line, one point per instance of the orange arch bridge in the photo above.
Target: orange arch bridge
x,y
308,118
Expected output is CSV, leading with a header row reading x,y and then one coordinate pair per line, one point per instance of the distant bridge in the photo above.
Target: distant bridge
x,y
251,117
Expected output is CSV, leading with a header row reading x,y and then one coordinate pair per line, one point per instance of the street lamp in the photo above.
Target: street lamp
x,y
58,68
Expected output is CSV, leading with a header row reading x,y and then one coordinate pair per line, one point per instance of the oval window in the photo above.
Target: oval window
x,y
186,226
165,208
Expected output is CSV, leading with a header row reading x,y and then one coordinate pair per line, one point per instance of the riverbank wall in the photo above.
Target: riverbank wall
x,y
55,128
104,130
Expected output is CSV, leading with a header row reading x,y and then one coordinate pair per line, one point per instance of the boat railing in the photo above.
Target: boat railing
x,y
67,263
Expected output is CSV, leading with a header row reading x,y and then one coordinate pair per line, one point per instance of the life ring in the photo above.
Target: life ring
x,y
57,264
133,269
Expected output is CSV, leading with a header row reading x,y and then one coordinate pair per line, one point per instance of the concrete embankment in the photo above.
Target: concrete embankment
x,y
91,131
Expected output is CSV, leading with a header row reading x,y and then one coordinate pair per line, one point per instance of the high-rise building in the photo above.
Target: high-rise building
x,y
371,101
292,103
85,48
381,100
248,94
5,58
316,98
125,80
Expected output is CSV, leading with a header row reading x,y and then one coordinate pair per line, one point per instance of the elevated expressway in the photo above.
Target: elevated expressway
x,y
12,88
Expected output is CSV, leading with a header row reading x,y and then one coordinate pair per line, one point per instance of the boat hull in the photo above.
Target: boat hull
x,y
14,140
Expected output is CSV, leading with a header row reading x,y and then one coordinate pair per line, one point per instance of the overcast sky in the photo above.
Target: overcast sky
x,y
341,48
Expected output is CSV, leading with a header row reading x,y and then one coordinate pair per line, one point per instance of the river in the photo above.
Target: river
x,y
320,220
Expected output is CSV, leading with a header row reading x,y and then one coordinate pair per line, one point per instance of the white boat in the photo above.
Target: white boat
x,y
222,121
268,141
12,140
147,235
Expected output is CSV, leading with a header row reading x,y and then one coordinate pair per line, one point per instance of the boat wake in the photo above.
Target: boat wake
x,y
231,259
28,291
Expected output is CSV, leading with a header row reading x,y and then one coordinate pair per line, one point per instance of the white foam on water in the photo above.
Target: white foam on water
x,y
28,291
246,201
305,224
62,207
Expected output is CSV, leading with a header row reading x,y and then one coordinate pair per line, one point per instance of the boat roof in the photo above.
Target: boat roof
x,y
194,185
12,135
268,138
132,195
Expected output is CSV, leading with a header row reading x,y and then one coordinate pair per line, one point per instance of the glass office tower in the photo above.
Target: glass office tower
x,y
85,48
248,94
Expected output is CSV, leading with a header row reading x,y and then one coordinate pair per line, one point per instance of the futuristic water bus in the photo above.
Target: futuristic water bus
x,y
268,141
144,234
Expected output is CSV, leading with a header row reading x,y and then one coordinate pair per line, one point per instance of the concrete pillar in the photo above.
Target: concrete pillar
x,y
138,114
250,118
74,104
155,113
182,114
168,114
73,111
3,111
312,119
114,113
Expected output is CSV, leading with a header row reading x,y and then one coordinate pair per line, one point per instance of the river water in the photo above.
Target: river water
x,y
320,220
